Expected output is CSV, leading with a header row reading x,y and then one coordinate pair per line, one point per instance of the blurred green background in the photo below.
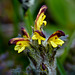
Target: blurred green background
x,y
60,16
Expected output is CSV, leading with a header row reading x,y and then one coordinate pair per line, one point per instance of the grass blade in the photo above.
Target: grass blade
x,y
60,68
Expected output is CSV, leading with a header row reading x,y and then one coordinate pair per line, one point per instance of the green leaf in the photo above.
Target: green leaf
x,y
63,11
15,16
60,68
58,10
29,22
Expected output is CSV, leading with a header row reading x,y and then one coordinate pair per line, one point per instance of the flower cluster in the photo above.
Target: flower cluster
x,y
38,35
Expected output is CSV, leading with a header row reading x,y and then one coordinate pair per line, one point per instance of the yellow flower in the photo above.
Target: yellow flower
x,y
38,36
20,46
54,39
21,43
40,18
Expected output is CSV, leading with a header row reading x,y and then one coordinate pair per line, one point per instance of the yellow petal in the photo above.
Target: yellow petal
x,y
34,37
39,22
22,42
22,48
17,47
45,22
59,42
25,36
39,41
53,44
44,16
42,38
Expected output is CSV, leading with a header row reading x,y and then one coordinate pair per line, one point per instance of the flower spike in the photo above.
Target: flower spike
x,y
40,51
54,38
40,18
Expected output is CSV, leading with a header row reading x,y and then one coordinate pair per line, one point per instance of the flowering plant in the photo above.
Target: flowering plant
x,y
40,50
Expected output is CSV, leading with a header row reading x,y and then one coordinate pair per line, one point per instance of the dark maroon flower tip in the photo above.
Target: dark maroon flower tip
x,y
43,8
43,35
40,33
11,42
15,40
24,32
59,33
